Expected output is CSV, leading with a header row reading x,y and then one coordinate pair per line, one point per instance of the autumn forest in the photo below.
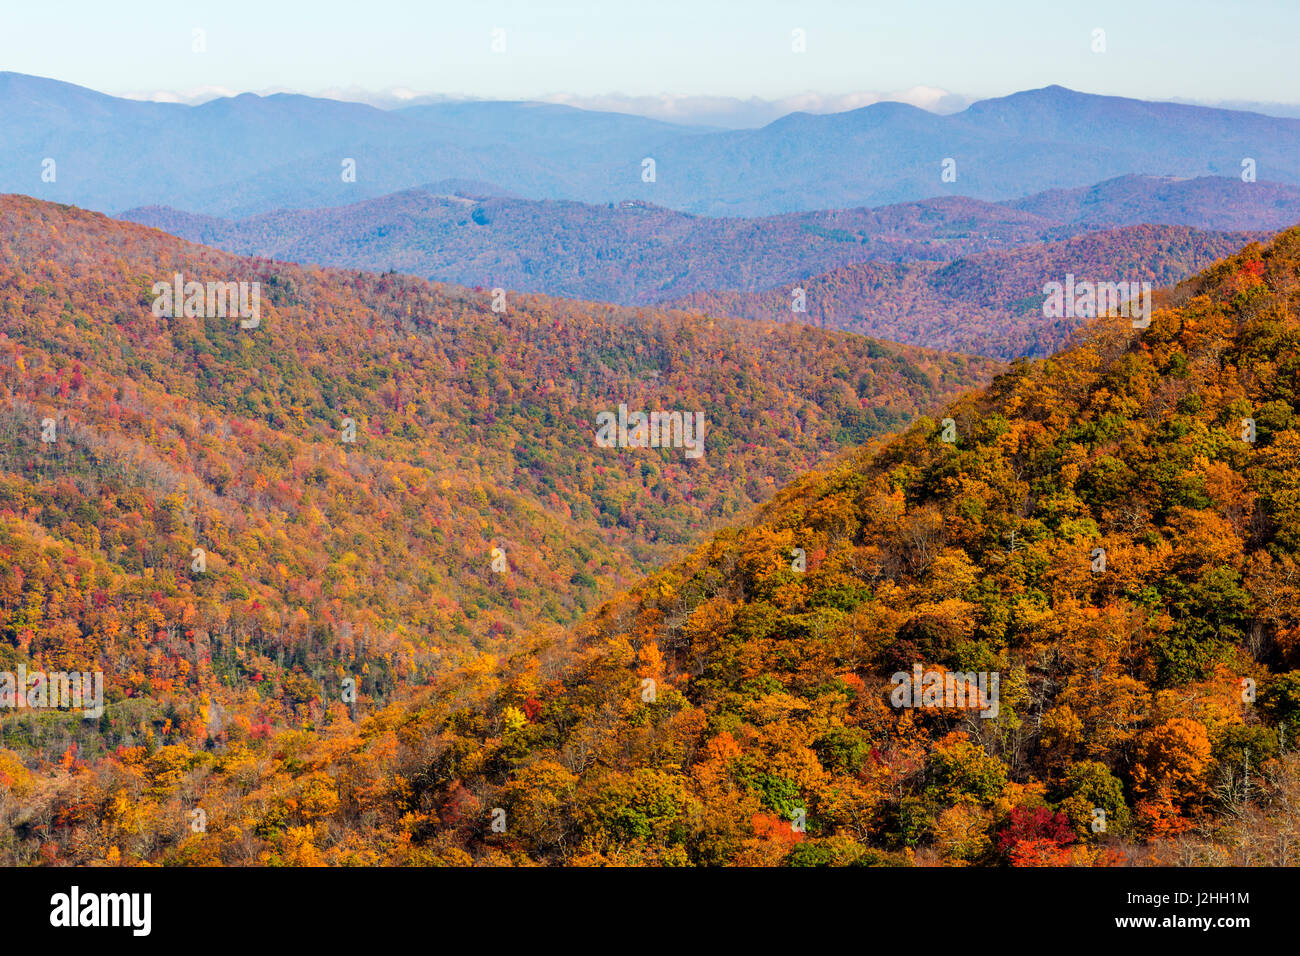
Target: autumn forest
x,y
440,461
690,717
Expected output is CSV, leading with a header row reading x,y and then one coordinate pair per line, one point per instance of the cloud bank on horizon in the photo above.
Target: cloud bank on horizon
x,y
726,111
727,63
720,111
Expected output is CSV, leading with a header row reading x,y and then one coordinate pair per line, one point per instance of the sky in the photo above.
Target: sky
x,y
940,54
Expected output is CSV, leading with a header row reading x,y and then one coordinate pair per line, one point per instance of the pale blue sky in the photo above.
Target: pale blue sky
x,y
1156,49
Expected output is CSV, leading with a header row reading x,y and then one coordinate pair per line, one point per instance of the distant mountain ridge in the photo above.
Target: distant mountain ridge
x,y
985,304
877,271
1204,202
627,252
246,155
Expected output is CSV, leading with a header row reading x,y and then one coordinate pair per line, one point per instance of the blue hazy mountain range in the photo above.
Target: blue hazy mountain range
x,y
245,155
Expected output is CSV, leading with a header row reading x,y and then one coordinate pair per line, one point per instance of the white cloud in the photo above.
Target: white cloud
x,y
192,97
731,111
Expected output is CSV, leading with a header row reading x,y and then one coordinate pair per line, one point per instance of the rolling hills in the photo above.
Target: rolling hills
x,y
987,304
1203,202
629,253
378,476
1103,542
633,253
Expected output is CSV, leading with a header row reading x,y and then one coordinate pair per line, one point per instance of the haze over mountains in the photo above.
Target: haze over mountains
x,y
544,198
246,155
624,252
990,303
634,253
637,253
1205,202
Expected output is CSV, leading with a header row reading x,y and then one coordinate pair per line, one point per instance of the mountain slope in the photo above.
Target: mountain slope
x,y
742,706
630,253
1002,148
987,304
633,253
1121,688
468,501
1205,202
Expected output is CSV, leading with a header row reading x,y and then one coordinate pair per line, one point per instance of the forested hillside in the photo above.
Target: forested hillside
x,y
1106,540
1203,202
628,252
639,253
949,273
381,477
986,304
